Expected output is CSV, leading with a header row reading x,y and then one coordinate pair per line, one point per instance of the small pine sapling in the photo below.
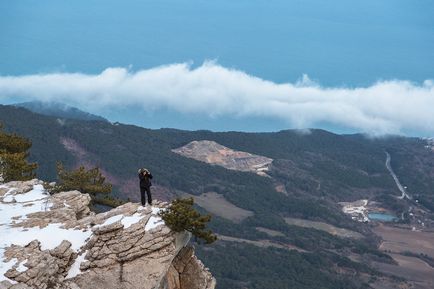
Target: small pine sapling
x,y
182,216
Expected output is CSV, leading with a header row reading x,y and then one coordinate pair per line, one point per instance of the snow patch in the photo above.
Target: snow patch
x,y
155,220
7,198
37,193
111,220
21,268
128,221
75,268
5,266
15,212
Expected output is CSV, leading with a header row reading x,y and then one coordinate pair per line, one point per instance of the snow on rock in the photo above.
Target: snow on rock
x,y
155,211
155,220
110,221
37,193
14,212
153,223
5,266
128,221
75,268
16,205
21,268
55,241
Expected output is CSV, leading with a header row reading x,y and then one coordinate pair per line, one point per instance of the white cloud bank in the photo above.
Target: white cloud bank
x,y
385,107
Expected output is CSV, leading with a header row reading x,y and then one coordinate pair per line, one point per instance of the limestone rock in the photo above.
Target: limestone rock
x,y
57,242
192,273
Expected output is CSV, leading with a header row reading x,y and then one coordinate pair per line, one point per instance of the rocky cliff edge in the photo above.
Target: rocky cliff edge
x,y
55,241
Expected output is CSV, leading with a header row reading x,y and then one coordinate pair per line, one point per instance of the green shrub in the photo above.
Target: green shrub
x,y
90,182
182,216
13,154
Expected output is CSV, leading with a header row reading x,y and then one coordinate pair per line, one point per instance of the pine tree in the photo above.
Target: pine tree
x,y
182,216
90,182
14,151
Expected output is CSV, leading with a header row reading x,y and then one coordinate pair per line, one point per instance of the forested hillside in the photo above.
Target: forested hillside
x,y
310,174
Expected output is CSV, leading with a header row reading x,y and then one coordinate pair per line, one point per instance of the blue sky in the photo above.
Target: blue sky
x,y
337,43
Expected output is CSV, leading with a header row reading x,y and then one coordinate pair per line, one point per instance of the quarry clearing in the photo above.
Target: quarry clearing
x,y
357,210
340,232
217,205
214,153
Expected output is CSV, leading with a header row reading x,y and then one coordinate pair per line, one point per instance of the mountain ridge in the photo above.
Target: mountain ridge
x,y
59,110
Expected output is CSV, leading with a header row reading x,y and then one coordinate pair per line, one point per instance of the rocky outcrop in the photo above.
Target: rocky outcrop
x,y
186,271
57,242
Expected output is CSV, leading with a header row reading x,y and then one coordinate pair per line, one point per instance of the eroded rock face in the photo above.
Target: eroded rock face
x,y
186,271
57,242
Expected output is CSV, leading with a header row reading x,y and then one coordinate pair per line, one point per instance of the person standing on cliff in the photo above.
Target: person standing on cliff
x,y
145,186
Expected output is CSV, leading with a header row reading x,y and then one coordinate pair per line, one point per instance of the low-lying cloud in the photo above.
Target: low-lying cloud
x,y
385,107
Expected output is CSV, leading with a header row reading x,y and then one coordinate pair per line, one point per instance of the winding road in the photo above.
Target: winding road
x,y
392,173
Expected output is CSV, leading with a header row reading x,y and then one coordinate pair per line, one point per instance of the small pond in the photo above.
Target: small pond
x,y
381,217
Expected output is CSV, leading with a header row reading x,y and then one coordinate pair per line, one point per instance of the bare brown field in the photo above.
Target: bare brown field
x,y
399,240
411,268
270,232
324,227
217,205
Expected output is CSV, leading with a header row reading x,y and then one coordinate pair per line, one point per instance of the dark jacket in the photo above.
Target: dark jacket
x,y
145,180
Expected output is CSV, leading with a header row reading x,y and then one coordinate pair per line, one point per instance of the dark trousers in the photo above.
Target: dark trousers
x,y
147,191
